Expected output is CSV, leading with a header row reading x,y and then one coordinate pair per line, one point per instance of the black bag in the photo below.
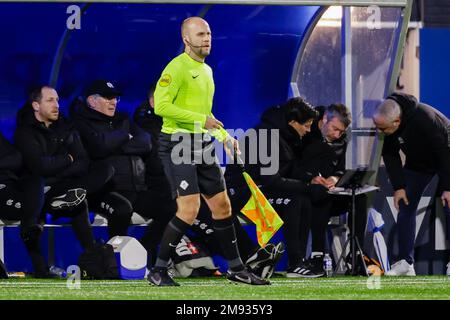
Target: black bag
x,y
99,262
192,259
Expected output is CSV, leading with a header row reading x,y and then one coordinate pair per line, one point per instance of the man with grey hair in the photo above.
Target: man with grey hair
x,y
422,133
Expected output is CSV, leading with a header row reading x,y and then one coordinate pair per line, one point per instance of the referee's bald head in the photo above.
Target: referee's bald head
x,y
189,22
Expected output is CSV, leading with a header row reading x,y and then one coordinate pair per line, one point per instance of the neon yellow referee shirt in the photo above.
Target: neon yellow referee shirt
x,y
184,96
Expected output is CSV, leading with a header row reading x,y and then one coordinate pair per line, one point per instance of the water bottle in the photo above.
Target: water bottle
x,y
61,273
328,265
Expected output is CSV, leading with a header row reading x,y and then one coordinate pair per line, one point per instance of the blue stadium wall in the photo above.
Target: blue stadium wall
x,y
253,55
435,68
254,50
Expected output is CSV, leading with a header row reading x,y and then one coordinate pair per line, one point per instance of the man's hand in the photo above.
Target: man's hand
x,y
400,194
446,198
230,142
331,182
319,180
212,123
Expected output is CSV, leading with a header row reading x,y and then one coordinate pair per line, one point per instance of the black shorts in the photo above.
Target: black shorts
x,y
190,164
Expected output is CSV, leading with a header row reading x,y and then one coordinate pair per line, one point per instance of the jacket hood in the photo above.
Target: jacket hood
x,y
25,115
275,118
408,104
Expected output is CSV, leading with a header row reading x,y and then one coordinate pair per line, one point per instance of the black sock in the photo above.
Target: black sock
x,y
226,234
175,230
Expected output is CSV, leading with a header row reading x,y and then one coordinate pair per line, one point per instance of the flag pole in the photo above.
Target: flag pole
x,y
240,162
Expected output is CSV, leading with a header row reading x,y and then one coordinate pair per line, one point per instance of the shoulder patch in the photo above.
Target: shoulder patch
x,y
165,80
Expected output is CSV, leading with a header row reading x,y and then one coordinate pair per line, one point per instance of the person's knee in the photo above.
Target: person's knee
x,y
222,209
118,206
188,208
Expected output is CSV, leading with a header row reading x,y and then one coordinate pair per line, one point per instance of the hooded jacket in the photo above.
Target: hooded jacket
x,y
289,144
108,139
10,161
424,138
46,150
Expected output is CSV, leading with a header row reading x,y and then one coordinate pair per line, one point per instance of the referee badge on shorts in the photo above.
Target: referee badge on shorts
x,y
184,185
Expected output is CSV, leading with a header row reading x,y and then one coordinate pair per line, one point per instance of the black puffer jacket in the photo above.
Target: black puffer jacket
x,y
424,138
289,145
46,151
10,161
145,117
107,139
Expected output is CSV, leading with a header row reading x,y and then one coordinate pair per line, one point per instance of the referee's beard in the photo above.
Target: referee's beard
x,y
201,52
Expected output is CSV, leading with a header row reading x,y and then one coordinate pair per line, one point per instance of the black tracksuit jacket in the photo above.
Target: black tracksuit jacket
x,y
46,151
424,138
289,143
320,156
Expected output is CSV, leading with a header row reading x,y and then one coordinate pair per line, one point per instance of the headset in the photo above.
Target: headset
x,y
190,44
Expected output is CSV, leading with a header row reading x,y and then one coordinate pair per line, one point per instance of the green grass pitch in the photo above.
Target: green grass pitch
x,y
348,288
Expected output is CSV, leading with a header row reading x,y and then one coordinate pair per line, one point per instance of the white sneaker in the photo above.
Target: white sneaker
x,y
448,269
401,268
72,198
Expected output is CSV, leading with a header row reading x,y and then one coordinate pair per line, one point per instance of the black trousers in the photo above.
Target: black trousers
x,y
95,180
118,207
158,205
325,205
416,183
22,200
294,209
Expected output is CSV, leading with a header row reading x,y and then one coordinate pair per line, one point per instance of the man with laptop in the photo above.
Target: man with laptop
x,y
323,163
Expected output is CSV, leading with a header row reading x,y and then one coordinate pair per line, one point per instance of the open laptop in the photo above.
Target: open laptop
x,y
356,177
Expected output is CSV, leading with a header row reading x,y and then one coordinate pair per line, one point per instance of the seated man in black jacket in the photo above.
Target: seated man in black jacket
x,y
285,126
323,161
52,149
22,198
110,137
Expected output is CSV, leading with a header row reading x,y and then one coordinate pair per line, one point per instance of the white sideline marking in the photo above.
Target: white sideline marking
x,y
219,282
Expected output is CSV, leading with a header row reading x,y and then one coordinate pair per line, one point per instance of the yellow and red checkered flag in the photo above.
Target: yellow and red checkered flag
x,y
259,210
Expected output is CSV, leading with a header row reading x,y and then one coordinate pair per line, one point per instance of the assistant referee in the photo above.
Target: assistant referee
x,y
183,98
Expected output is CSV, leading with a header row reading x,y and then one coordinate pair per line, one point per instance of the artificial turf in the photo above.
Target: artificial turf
x,y
335,288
